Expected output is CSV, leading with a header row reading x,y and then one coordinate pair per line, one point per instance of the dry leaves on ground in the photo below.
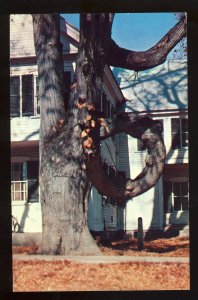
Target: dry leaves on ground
x,y
172,247
70,276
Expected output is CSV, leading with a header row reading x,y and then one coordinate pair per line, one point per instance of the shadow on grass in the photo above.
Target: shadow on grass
x,y
153,246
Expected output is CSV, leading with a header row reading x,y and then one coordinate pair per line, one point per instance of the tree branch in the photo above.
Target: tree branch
x,y
149,132
143,60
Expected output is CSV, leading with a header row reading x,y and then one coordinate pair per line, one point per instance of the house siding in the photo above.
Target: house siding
x,y
25,129
21,36
162,92
28,216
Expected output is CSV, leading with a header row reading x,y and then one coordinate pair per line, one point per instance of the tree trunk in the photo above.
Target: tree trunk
x,y
64,187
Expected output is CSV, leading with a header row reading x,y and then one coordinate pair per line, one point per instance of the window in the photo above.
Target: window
x,y
140,145
22,95
19,184
15,96
37,100
33,181
176,197
18,191
179,129
17,171
27,95
25,182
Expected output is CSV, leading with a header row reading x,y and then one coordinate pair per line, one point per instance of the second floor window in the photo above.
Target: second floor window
x,y
27,95
179,133
22,95
15,96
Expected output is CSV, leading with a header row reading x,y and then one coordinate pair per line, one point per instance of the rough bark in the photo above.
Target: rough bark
x,y
143,60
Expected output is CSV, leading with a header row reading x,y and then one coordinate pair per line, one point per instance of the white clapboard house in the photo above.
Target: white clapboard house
x,y
161,91
25,124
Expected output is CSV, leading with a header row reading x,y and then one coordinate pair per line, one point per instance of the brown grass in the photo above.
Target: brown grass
x,y
70,276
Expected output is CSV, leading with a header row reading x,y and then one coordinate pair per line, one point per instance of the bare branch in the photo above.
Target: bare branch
x,y
149,132
143,60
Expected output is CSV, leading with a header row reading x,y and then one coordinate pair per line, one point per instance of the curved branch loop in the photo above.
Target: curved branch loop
x,y
149,132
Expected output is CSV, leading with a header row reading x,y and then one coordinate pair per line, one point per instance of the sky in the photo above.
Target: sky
x,y
136,31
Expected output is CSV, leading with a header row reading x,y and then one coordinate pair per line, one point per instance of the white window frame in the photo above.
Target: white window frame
x,y
35,114
23,190
23,185
180,133
177,180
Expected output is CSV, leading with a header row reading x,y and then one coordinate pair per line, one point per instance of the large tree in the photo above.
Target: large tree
x,y
70,132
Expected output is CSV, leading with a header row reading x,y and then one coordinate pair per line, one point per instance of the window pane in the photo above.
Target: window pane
x,y
176,189
177,203
17,196
175,125
33,190
184,188
16,171
15,96
185,139
32,169
184,125
27,95
27,105
162,125
185,203
175,141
